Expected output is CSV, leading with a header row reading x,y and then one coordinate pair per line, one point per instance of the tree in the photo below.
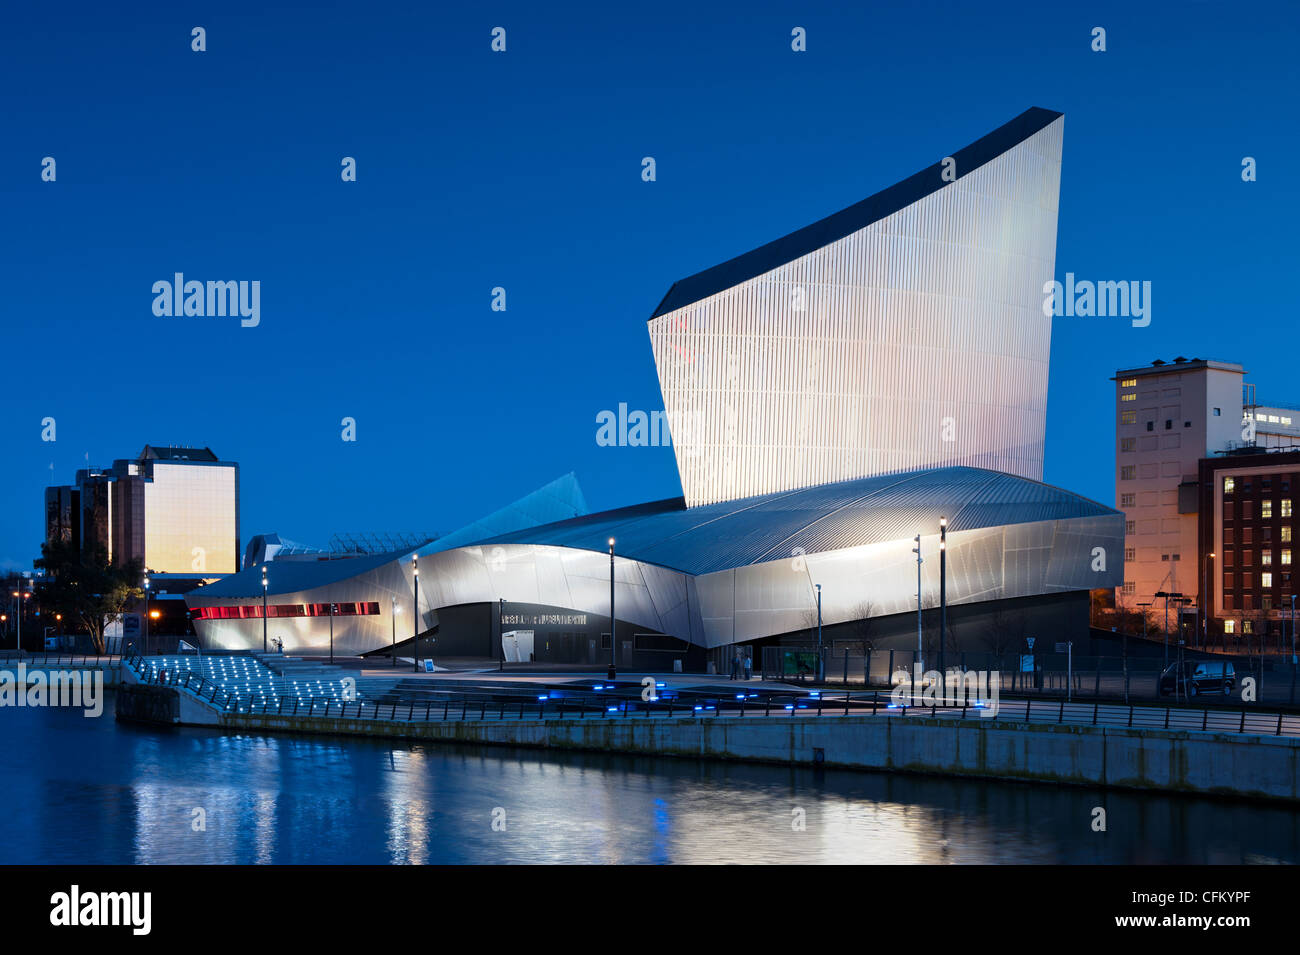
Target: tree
x,y
861,627
1004,632
85,585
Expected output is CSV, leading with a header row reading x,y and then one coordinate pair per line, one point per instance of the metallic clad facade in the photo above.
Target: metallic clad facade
x,y
917,341
723,573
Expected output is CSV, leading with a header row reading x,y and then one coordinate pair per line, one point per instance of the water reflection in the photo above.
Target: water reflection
x,y
93,791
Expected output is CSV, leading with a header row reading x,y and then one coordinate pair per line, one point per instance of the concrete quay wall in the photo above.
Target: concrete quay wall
x,y
1165,760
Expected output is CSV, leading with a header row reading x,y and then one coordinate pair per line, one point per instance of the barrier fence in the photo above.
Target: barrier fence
x,y
1045,674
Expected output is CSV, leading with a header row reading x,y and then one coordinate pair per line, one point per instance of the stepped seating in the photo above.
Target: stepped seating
x,y
254,681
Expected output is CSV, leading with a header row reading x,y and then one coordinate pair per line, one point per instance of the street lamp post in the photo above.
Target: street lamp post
x,y
144,617
1167,595
20,597
415,611
821,664
613,642
501,632
943,599
1205,603
920,656
331,633
264,608
392,601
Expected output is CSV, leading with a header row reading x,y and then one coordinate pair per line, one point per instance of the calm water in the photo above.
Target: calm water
x,y
77,790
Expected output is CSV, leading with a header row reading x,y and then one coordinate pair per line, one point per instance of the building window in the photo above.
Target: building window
x,y
1129,383
1266,558
1286,533
1286,507
1229,626
1229,485
1127,472
1128,444
1164,557
1169,424
1130,553
1128,417
1286,557
1217,412
1127,500
1266,602
1247,626
1128,397
1151,425
1130,527
1265,508
1227,558
1130,587
1246,557
1187,424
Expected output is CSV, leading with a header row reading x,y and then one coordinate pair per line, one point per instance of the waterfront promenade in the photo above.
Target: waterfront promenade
x,y
1240,752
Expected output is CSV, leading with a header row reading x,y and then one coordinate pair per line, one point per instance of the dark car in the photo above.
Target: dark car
x,y
1193,677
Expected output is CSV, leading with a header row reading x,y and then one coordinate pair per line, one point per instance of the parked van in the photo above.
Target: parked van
x,y
1194,677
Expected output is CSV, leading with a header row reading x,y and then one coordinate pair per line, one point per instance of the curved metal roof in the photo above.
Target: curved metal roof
x,y
887,507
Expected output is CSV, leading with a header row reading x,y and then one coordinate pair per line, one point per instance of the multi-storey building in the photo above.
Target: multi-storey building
x,y
173,509
1247,536
1170,417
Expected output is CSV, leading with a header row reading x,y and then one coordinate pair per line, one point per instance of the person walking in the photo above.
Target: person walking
x,y
749,666
735,665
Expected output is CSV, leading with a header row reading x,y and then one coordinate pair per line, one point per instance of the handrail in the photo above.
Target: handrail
x,y
823,706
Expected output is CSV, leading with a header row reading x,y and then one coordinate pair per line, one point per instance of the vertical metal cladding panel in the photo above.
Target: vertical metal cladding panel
x,y
717,601
847,361
1087,553
668,594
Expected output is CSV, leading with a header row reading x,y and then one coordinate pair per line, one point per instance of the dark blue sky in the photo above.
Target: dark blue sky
x,y
522,170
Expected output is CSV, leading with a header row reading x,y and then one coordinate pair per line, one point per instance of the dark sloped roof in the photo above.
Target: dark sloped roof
x,y
890,507
294,576
158,453
855,217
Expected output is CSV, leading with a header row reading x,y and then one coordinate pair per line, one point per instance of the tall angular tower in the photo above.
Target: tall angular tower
x,y
906,331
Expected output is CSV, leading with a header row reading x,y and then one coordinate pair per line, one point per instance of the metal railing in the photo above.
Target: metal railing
x,y
192,680
1043,673
1216,720
59,659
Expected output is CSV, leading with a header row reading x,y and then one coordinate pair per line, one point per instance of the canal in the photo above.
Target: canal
x,y
93,791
